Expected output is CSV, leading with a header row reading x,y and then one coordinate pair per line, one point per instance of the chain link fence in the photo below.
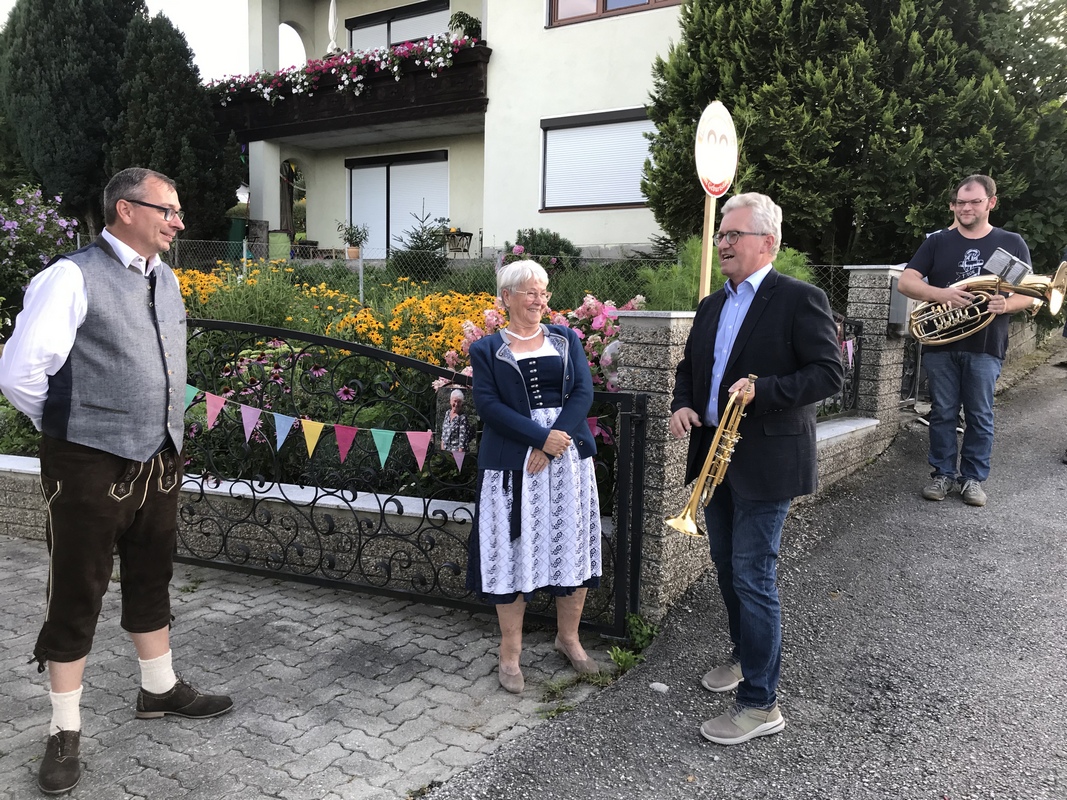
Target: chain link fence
x,y
375,273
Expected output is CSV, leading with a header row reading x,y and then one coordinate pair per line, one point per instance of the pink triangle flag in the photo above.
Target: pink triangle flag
x,y
312,432
383,440
420,443
345,435
848,347
591,422
459,455
249,418
214,406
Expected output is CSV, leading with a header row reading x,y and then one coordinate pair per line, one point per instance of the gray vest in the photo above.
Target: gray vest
x,y
122,389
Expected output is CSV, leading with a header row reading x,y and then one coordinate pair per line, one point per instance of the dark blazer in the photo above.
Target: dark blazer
x,y
504,405
789,340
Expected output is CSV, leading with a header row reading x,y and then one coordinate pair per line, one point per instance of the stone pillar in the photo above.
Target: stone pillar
x,y
870,292
652,343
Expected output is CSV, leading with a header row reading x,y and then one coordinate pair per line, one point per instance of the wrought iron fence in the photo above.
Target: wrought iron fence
x,y
378,506
850,335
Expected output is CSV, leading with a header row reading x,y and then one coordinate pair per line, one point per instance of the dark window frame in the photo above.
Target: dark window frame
x,y
554,21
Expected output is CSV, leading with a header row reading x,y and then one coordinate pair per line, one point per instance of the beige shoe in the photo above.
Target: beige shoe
x,y
741,724
724,678
583,666
513,682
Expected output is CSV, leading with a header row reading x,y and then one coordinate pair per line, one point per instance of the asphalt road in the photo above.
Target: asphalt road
x,y
925,650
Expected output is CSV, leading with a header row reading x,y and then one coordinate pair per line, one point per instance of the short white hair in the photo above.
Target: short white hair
x,y
457,393
766,214
515,274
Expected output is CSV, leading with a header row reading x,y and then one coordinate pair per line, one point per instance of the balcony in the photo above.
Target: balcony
x,y
454,103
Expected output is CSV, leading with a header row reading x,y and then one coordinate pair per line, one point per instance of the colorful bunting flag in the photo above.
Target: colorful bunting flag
x,y
383,440
214,406
282,426
190,394
345,435
249,418
459,455
591,422
312,432
420,443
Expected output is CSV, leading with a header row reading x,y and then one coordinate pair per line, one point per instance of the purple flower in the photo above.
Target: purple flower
x,y
518,250
317,370
346,394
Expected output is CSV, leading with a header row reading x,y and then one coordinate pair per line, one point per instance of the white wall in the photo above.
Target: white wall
x,y
537,73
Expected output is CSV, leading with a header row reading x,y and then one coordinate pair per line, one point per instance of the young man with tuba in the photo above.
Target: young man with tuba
x,y
964,373
780,330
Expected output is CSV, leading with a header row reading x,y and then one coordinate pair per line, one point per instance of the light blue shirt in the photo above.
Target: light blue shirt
x,y
736,306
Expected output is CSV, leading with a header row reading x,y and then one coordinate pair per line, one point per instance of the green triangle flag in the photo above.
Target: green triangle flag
x,y
190,393
383,440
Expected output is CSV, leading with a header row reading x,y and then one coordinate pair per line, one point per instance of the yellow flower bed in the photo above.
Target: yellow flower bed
x,y
422,326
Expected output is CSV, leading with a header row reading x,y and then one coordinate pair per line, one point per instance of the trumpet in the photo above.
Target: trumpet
x,y
936,323
714,469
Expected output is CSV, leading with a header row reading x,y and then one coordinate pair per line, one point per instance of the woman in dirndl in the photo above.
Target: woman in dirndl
x,y
537,524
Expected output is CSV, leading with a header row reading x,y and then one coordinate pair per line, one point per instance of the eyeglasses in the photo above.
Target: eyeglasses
x,y
168,213
972,203
731,237
533,294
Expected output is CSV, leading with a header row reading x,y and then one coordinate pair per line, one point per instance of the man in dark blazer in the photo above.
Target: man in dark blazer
x,y
781,330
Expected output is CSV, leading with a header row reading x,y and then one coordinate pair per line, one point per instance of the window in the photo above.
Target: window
x,y
595,159
563,11
386,191
395,25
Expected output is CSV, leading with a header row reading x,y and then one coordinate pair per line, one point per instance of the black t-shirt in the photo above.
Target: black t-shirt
x,y
947,257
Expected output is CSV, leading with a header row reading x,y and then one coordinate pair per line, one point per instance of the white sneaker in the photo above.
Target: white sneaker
x,y
741,724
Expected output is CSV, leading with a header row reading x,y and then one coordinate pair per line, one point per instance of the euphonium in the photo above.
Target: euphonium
x,y
935,323
714,469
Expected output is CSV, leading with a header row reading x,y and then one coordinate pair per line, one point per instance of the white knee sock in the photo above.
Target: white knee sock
x,y
157,674
66,711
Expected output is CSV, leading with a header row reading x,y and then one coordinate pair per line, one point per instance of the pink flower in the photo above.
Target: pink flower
x,y
452,359
518,250
346,394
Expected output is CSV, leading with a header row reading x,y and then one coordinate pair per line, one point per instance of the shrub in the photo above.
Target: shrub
x,y
548,248
18,437
31,232
674,287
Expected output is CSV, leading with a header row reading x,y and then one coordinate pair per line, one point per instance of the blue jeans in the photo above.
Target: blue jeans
x,y
744,537
968,380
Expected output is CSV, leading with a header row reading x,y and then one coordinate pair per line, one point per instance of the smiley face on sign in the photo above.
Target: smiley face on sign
x,y
716,149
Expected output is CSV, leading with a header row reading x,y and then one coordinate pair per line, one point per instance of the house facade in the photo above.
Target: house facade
x,y
541,125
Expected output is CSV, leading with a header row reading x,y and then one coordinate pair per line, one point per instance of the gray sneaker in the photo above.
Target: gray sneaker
x,y
741,724
723,678
972,493
939,488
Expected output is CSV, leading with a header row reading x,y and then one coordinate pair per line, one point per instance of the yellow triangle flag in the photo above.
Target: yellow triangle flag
x,y
312,432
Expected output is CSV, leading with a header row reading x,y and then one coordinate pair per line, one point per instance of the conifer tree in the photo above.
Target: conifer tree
x,y
859,117
166,124
59,83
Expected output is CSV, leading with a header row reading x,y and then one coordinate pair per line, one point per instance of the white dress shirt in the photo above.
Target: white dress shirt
x,y
54,308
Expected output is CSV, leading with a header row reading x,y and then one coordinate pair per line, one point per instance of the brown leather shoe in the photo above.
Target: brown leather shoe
x,y
583,666
60,768
181,701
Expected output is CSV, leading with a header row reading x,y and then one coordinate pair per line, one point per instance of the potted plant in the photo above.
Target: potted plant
x,y
354,236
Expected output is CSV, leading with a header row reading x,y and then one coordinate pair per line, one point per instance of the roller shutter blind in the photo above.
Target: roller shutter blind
x,y
595,165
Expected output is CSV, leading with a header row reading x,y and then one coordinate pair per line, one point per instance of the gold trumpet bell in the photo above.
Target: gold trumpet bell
x,y
1057,289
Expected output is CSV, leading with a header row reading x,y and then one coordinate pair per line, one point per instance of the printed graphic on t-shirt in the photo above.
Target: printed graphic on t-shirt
x,y
971,264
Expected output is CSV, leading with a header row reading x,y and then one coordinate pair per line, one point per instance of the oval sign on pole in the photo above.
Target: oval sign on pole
x,y
716,149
